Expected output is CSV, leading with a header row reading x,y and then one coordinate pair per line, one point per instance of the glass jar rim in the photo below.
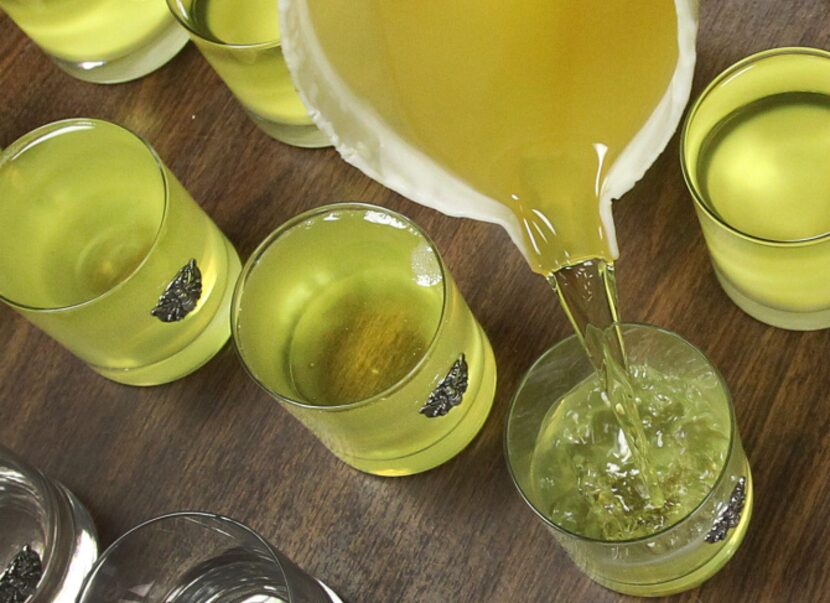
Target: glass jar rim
x,y
199,515
179,12
48,130
722,475
735,70
290,225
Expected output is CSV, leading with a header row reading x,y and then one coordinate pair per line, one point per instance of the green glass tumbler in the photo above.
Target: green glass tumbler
x,y
748,152
348,316
100,41
103,249
241,41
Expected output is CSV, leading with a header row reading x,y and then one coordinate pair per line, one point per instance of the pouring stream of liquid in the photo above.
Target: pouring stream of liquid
x,y
588,294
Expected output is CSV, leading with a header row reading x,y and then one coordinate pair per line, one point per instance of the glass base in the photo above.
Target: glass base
x,y
480,402
700,575
792,321
307,136
212,339
151,56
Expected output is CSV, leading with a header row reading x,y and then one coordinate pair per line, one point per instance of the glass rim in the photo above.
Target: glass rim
x,y
722,475
40,133
289,225
104,557
735,70
178,11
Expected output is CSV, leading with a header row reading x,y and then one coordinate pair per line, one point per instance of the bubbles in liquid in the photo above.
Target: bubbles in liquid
x,y
425,266
585,477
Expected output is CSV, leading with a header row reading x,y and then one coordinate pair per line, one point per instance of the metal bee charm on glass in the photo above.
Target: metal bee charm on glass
x,y
21,578
181,295
449,393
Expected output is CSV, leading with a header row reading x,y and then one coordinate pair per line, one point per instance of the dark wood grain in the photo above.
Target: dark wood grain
x,y
213,441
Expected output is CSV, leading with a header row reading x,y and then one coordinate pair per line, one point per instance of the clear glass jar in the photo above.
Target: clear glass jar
x,y
42,524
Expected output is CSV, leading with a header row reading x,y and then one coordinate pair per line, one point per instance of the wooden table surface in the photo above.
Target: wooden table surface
x,y
214,441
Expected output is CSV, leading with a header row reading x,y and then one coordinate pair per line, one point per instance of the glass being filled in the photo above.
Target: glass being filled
x,y
572,462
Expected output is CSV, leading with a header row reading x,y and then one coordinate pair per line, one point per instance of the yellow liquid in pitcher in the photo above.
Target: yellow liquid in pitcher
x,y
529,102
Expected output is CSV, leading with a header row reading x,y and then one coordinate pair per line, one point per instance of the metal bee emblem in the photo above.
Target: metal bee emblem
x,y
181,295
449,393
20,580
730,516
